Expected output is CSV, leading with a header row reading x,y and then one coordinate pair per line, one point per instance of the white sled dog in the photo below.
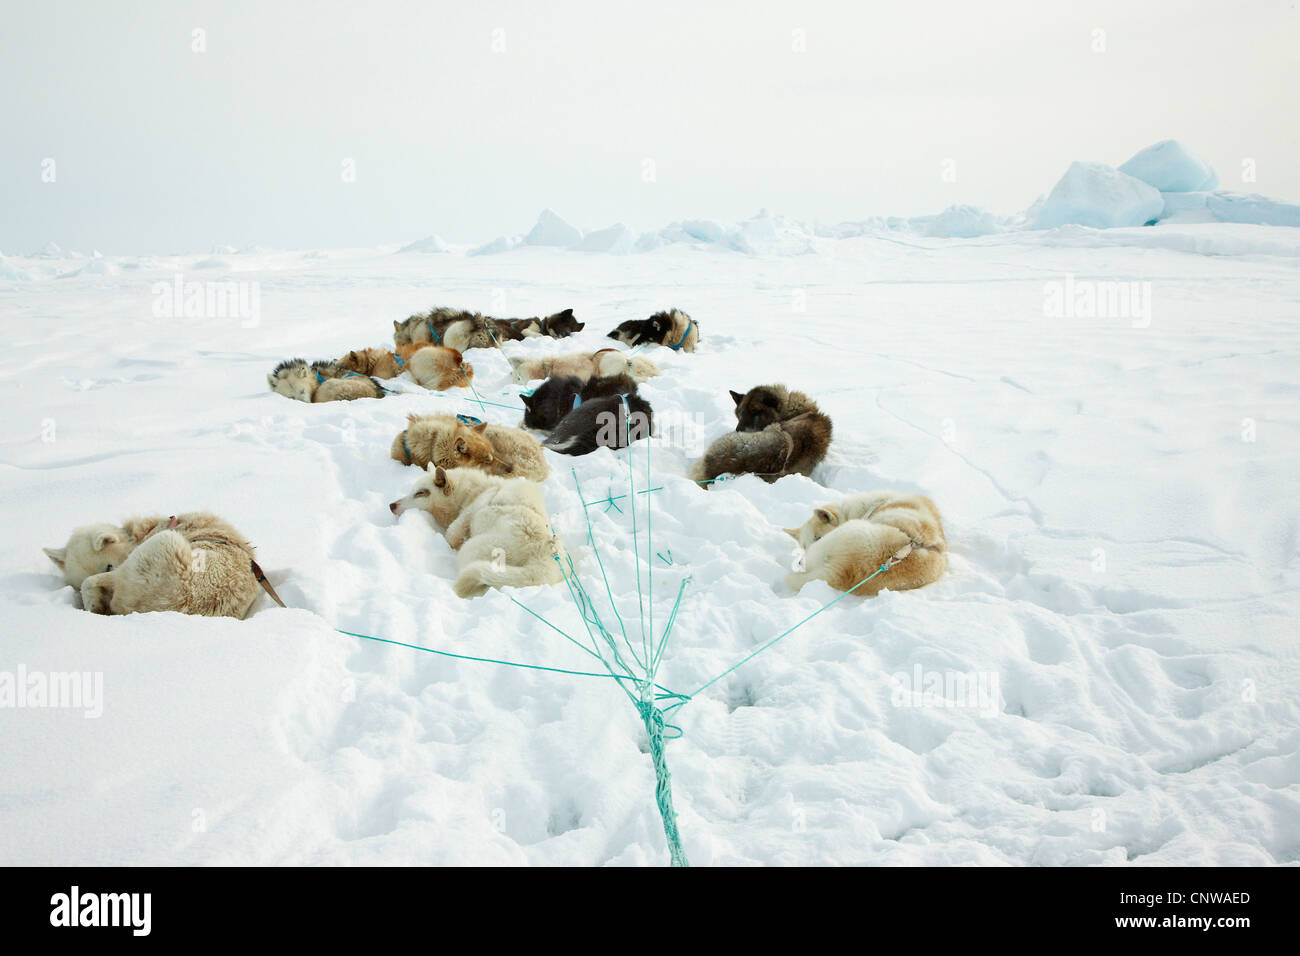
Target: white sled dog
x,y
605,363
192,563
845,542
499,526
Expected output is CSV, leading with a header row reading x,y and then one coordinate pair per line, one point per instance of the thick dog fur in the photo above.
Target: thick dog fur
x,y
778,432
845,542
602,422
446,441
432,366
556,397
200,566
673,329
321,381
558,326
606,363
458,329
499,526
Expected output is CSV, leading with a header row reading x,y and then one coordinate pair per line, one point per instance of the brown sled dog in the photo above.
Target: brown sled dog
x,y
432,366
450,442
778,433
849,541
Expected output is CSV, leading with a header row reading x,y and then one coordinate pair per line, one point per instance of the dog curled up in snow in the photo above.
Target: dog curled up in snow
x,y
674,329
432,366
559,395
453,442
611,421
606,363
846,542
323,381
558,326
778,432
193,563
498,525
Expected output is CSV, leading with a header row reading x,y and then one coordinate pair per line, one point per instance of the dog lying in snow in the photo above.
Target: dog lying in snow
x,y
323,381
778,433
558,326
845,542
559,395
606,363
607,422
449,442
193,563
499,526
674,329
458,329
432,366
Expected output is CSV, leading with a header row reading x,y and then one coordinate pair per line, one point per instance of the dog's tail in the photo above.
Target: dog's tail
x,y
494,574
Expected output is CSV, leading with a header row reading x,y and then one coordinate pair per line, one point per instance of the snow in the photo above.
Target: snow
x,y
617,239
1097,195
1252,208
427,244
961,222
1171,167
1118,496
551,230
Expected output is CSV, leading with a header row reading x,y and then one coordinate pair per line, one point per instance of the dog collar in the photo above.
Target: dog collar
x,y
577,400
406,448
320,379
682,340
542,324
469,420
400,362
432,331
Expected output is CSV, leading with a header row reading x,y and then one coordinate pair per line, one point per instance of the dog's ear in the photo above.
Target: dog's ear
x,y
270,379
397,326
737,397
579,326
461,448
104,538
827,514
792,532
58,555
481,427
568,312
440,478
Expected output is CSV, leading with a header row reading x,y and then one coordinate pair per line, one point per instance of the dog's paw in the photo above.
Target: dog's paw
x,y
469,586
97,594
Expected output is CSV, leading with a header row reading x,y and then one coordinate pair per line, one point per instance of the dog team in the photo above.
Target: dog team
x,y
481,481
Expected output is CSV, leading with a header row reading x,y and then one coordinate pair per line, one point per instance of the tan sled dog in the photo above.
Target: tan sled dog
x,y
432,366
193,563
322,381
605,363
846,542
448,441
499,526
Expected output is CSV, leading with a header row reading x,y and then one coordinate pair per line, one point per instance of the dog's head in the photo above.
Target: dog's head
x,y
293,378
443,492
758,408
466,446
824,520
357,361
94,549
402,332
563,324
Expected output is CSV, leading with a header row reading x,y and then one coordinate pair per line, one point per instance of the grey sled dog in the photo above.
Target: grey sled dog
x,y
193,563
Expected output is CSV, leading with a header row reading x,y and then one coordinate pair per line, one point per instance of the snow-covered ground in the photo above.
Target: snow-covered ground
x,y
1118,492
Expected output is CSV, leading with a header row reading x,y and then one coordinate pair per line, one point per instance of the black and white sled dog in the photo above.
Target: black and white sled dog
x,y
673,329
610,421
561,394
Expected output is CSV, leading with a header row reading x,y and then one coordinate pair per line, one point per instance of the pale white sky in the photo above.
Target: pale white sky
x,y
161,149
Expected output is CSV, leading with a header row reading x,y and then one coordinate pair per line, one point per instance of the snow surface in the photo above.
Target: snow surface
x,y
1119,498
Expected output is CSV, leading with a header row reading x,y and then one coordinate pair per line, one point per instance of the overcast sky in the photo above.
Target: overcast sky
x,y
466,118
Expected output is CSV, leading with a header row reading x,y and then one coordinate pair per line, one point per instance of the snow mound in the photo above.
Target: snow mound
x,y
551,230
10,274
770,235
499,244
962,222
1100,196
51,250
427,244
1252,208
618,240
1171,167
98,267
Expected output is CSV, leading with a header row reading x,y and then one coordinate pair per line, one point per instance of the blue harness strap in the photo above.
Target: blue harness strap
x,y
400,362
682,341
407,448
432,331
469,420
577,400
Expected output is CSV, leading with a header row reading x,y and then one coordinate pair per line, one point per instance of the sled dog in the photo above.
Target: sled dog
x,y
846,542
584,366
559,395
457,441
322,381
193,563
432,366
674,329
498,525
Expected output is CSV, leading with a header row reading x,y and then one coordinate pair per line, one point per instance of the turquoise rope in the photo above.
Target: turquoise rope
x,y
653,718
